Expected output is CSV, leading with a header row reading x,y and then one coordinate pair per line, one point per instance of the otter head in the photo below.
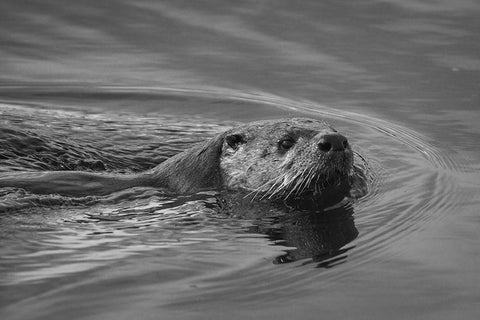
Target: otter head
x,y
284,158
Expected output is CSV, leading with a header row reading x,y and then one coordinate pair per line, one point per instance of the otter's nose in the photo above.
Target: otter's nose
x,y
332,142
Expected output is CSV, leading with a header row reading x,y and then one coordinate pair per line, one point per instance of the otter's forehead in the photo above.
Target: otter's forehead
x,y
294,126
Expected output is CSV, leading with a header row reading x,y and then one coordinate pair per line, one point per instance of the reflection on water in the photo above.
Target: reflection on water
x,y
320,237
211,237
121,86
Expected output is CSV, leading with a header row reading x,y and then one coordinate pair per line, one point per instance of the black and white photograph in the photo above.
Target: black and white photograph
x,y
212,160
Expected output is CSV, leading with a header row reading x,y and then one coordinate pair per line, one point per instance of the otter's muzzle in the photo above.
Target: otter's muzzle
x,y
332,141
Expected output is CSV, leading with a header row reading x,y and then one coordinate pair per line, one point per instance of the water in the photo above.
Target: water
x,y
121,86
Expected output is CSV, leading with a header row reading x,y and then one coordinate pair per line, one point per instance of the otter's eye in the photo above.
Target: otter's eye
x,y
286,143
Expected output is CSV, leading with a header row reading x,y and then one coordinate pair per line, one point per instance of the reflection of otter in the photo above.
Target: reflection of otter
x,y
287,159
313,229
320,237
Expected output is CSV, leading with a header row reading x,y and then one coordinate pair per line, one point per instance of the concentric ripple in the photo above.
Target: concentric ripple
x,y
185,239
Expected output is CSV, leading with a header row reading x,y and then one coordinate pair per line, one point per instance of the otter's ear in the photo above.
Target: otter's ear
x,y
234,140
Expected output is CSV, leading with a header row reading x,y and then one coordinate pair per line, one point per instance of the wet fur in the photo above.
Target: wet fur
x,y
258,165
243,158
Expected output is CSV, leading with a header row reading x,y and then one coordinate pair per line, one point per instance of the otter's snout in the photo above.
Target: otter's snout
x,y
332,141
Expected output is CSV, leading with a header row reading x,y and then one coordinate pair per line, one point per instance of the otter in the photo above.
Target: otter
x,y
269,159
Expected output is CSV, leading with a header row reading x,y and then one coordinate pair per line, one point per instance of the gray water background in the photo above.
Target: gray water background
x,y
131,82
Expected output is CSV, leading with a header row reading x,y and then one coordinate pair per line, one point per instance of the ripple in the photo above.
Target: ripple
x,y
411,183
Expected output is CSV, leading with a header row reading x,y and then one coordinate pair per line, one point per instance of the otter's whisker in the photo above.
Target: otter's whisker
x,y
308,179
269,192
299,181
304,182
259,189
285,181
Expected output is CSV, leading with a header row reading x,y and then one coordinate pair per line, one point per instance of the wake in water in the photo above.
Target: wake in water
x,y
219,243
34,141
42,139
62,142
178,173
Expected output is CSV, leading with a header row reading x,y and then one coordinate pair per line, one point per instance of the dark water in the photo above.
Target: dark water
x,y
120,86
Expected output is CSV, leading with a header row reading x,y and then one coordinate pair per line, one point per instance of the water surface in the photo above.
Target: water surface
x,y
121,86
